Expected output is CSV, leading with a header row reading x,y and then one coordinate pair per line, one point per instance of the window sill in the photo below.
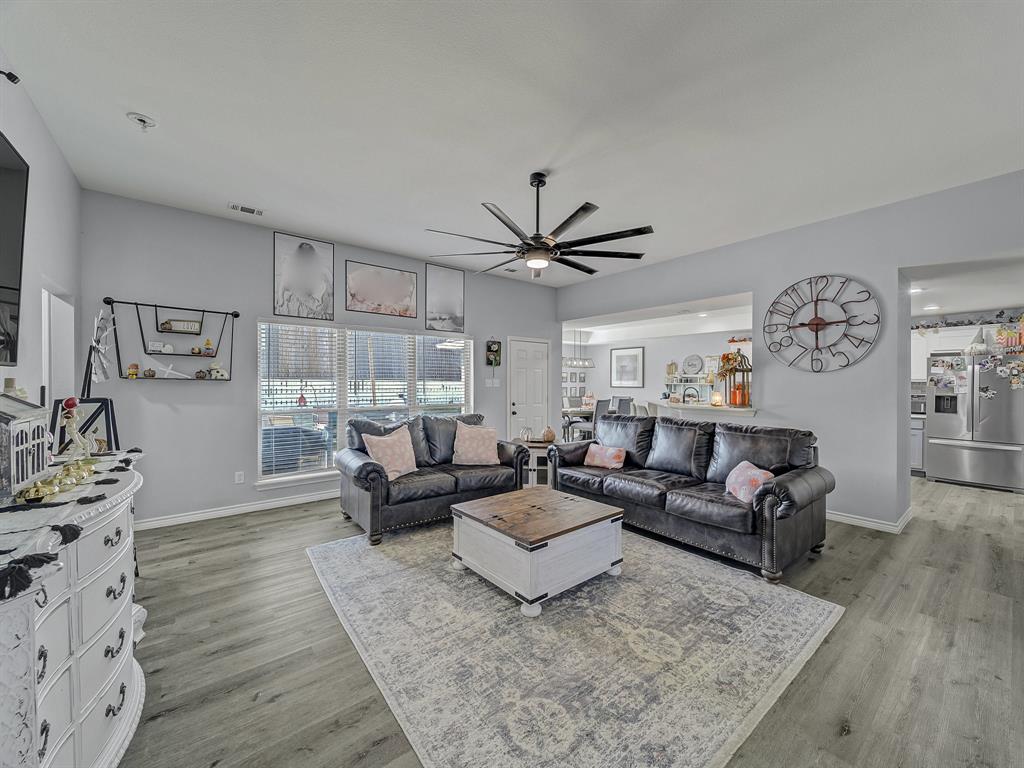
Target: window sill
x,y
288,481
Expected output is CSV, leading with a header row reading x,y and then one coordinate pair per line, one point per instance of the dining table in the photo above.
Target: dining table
x,y
581,414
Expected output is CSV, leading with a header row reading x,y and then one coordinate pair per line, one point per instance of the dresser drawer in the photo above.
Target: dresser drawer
x,y
106,594
101,659
63,757
54,713
53,642
103,541
54,586
111,710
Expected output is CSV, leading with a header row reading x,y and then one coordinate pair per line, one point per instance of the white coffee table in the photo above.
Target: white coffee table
x,y
536,543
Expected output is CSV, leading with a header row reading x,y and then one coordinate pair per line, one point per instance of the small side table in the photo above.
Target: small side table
x,y
537,466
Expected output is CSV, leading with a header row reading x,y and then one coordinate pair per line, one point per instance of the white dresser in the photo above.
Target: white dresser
x,y
71,692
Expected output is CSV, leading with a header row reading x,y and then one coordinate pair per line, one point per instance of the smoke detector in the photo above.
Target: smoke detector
x,y
145,122
252,211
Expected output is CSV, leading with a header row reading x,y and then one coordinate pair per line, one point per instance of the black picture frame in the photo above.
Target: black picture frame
x,y
327,318
426,299
415,290
611,368
15,342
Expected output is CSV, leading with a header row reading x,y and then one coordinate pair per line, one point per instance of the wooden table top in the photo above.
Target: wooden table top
x,y
535,515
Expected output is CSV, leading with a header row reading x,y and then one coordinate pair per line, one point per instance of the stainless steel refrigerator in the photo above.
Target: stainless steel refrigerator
x,y
975,420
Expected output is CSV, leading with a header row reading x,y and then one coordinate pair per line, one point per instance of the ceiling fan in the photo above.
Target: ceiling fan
x,y
539,251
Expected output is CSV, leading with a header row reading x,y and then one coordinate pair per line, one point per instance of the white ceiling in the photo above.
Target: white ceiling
x,y
368,122
713,315
967,287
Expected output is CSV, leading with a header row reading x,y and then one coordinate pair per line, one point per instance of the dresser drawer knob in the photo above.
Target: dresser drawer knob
x,y
44,735
42,656
113,711
116,593
112,652
45,597
113,541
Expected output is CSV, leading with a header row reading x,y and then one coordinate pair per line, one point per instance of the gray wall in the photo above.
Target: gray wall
x,y
51,227
197,437
861,414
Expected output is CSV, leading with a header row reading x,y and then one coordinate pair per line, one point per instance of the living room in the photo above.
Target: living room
x,y
313,494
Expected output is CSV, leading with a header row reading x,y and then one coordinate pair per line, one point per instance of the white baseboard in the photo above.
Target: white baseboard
x,y
867,522
234,509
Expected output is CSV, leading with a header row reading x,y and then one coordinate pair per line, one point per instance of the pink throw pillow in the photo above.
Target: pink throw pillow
x,y
745,479
475,444
604,456
393,451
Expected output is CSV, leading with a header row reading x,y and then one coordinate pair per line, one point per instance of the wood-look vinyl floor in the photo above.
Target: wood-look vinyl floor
x,y
247,665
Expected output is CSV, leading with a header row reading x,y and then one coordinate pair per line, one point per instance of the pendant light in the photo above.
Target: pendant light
x,y
577,360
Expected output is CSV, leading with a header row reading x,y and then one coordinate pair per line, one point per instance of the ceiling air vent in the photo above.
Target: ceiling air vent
x,y
510,269
245,209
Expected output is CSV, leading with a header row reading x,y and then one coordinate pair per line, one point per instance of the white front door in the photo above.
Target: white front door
x,y
528,387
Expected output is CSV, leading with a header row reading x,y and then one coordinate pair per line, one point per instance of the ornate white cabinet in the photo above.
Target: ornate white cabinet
x,y
71,692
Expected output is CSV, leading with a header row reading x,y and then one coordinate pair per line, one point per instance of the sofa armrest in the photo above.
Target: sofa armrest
x,y
510,454
359,468
794,490
569,454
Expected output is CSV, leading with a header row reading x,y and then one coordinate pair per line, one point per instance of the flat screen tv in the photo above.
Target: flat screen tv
x,y
13,200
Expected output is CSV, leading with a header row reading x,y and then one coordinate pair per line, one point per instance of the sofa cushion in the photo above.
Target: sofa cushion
x,y
630,432
424,483
604,456
477,446
478,478
440,434
393,452
584,478
711,504
681,446
745,479
764,447
355,428
645,486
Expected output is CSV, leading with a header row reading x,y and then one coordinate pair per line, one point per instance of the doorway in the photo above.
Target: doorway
x,y
58,347
529,361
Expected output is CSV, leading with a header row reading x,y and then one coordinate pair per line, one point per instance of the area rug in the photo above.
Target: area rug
x,y
672,663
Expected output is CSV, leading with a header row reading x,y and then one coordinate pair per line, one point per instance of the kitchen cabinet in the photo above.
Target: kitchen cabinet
x,y
917,433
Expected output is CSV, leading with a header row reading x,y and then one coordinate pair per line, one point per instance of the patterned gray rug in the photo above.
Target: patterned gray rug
x,y
672,663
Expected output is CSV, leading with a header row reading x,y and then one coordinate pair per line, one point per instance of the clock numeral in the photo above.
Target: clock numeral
x,y
842,286
775,327
857,341
777,346
797,359
863,292
817,364
794,295
782,309
821,284
837,353
856,320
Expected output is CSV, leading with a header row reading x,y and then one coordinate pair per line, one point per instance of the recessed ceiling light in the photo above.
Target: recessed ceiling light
x,y
703,314
916,290
932,307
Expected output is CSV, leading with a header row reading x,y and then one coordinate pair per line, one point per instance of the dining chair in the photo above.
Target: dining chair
x,y
587,427
640,410
622,404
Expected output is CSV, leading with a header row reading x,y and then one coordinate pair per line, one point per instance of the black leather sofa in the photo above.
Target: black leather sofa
x,y
379,505
673,484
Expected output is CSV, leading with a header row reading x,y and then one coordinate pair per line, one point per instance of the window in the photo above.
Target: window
x,y
313,378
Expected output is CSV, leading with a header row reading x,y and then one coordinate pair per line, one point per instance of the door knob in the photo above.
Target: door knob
x,y
514,413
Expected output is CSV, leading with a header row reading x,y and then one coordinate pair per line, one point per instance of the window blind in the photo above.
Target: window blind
x,y
312,379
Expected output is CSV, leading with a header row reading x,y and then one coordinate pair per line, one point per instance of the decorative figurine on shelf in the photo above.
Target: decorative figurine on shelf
x,y
208,349
548,435
167,349
217,373
166,327
69,417
149,373
197,351
133,371
200,374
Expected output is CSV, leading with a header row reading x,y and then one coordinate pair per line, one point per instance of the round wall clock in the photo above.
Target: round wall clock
x,y
693,364
823,323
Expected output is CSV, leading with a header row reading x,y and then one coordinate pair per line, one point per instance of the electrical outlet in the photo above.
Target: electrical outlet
x,y
239,478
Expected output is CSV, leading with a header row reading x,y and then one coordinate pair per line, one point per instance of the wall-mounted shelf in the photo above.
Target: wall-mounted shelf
x,y
194,318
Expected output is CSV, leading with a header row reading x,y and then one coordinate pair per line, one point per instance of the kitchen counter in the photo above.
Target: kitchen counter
x,y
700,409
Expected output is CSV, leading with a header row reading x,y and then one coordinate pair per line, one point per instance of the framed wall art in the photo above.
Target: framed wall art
x,y
446,299
303,277
627,367
379,290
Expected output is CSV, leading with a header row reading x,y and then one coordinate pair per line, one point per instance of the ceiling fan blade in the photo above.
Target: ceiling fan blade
x,y
604,254
500,216
472,253
620,235
470,237
575,265
496,266
574,218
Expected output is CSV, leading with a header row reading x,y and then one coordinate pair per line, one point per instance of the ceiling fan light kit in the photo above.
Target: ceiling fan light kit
x,y
540,251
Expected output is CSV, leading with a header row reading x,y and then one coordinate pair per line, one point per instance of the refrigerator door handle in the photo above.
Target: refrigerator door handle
x,y
972,444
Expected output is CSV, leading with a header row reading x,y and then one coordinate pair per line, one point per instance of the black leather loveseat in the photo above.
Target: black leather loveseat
x,y
673,483
379,505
